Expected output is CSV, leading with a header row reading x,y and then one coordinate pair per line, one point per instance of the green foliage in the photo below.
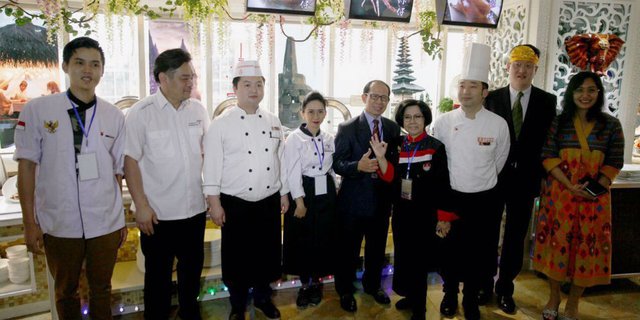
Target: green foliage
x,y
431,44
445,105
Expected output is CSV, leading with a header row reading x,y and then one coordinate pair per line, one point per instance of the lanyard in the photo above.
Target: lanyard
x,y
84,132
406,142
320,155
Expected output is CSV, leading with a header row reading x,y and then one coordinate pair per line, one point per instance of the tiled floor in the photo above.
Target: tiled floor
x,y
620,300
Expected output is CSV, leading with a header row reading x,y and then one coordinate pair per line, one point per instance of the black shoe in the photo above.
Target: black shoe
x,y
449,305
471,311
403,304
484,297
269,309
380,296
348,303
303,297
236,314
315,294
506,304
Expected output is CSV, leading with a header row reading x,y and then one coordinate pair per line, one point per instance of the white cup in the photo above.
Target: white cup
x,y
18,251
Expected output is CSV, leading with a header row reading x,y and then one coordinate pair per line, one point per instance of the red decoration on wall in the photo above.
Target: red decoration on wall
x,y
593,50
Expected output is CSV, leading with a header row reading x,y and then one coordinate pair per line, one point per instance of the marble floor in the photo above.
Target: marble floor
x,y
620,300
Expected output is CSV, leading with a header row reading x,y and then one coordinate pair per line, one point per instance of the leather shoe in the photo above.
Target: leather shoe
x,y
236,314
506,304
348,303
449,305
380,296
269,309
403,304
484,297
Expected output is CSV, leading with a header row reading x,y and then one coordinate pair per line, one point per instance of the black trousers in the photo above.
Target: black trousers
x,y
181,239
471,248
351,231
518,215
251,247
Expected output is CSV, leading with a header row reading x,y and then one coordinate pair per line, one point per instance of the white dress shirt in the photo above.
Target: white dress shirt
x,y
303,154
477,149
243,155
65,206
524,101
167,144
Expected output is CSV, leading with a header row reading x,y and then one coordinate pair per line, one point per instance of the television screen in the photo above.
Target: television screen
x,y
304,7
389,10
474,13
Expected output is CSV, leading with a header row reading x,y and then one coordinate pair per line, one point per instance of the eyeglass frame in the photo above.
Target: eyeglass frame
x,y
375,97
414,117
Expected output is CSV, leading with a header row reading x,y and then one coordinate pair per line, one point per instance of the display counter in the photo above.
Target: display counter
x,y
625,228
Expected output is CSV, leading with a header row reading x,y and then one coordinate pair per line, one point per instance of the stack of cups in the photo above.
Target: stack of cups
x,y
18,263
4,270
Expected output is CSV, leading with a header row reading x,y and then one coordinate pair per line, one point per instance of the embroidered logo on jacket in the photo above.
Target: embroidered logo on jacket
x,y
51,126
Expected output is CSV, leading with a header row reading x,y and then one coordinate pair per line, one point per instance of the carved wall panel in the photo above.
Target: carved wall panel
x,y
576,17
511,31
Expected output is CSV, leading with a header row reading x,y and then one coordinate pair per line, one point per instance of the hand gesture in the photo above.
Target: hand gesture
x,y
379,147
367,165
33,238
217,215
579,191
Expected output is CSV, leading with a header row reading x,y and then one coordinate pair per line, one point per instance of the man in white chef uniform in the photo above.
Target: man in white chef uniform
x,y
477,144
246,188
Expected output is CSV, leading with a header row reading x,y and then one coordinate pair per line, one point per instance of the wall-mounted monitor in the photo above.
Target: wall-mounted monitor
x,y
303,7
469,13
390,10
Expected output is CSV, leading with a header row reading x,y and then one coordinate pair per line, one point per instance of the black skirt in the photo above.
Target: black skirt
x,y
416,246
309,242
251,241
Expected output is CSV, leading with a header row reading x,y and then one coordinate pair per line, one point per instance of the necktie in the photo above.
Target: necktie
x,y
517,114
376,131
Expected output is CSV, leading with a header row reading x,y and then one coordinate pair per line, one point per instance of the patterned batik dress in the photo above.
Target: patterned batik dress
x,y
573,234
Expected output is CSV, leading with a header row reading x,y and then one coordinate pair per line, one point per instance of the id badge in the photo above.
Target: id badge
x,y
321,185
405,189
88,166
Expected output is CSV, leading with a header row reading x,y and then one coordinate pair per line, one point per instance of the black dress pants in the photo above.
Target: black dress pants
x,y
181,239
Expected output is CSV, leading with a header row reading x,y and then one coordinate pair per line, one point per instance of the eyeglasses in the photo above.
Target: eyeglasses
x,y
414,117
590,91
375,97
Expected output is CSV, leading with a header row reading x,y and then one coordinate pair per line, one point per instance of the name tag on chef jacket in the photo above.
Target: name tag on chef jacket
x,y
88,166
321,185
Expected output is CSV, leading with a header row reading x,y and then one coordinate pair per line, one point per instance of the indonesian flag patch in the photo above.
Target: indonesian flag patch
x,y
20,125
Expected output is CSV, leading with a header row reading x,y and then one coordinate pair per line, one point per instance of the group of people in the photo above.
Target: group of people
x,y
447,189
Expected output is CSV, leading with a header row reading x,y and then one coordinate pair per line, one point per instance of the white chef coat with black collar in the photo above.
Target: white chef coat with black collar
x,y
167,144
477,149
303,154
243,155
65,206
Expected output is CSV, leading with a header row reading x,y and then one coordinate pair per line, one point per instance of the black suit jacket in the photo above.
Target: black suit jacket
x,y
524,165
361,194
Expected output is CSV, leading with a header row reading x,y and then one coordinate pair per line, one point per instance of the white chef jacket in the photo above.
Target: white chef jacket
x,y
243,155
302,155
66,207
477,149
167,143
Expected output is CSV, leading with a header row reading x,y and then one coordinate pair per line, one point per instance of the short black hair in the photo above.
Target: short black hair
x,y
77,43
367,87
313,96
569,107
170,60
536,51
236,80
424,109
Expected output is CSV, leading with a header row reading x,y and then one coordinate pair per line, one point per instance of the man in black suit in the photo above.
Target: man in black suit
x,y
528,111
364,200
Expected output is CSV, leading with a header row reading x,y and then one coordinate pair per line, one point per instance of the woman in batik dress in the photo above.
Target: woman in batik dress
x,y
573,228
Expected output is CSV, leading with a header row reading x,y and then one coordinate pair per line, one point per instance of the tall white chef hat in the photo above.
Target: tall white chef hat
x,y
247,68
476,63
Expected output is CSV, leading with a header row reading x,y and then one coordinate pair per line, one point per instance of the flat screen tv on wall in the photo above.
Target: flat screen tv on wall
x,y
380,10
302,7
469,13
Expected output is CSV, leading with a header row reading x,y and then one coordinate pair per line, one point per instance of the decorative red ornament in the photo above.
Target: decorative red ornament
x,y
594,50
